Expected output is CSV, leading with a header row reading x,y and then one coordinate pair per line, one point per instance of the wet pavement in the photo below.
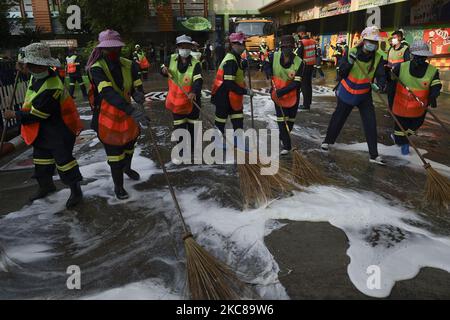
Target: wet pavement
x,y
294,253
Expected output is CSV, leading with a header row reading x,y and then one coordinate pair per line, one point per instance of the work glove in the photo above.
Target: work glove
x,y
352,58
250,93
432,103
375,87
140,118
279,93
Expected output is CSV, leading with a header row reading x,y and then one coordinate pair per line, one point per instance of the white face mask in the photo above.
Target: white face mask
x,y
394,41
184,53
196,55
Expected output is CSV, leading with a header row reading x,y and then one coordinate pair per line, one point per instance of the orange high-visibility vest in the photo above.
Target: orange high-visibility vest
x,y
115,127
71,64
282,77
405,105
177,101
69,112
309,51
236,100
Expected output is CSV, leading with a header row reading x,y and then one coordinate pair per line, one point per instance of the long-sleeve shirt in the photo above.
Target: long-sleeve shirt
x,y
46,110
230,69
294,85
380,74
197,74
108,93
418,71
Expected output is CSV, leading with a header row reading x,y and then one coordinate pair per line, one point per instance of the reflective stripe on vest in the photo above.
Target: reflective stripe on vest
x,y
115,127
71,65
236,100
309,51
68,109
177,101
405,105
354,89
282,77
396,56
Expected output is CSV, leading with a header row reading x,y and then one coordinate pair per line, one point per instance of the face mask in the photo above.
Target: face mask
x,y
286,51
418,60
239,50
371,47
113,56
196,55
184,53
40,75
394,41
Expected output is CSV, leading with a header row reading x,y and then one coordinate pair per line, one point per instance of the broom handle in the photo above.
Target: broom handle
x,y
420,101
9,106
251,98
425,163
166,175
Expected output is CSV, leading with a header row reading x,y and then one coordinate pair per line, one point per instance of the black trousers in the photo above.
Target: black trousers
x,y
391,85
289,118
223,111
307,85
318,68
74,78
119,157
47,159
411,125
187,122
368,118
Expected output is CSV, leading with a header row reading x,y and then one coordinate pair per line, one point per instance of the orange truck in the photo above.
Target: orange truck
x,y
257,31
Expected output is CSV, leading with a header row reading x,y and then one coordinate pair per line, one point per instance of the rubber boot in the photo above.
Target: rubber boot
x,y
405,149
121,193
76,195
46,187
132,174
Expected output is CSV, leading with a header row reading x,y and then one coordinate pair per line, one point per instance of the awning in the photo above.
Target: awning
x,y
281,5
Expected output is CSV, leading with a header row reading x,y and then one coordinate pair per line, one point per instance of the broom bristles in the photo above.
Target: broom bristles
x,y
437,189
304,172
209,278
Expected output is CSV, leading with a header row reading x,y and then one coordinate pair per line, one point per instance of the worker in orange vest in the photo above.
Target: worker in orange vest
x,y
50,123
114,80
141,59
307,52
73,70
185,88
422,79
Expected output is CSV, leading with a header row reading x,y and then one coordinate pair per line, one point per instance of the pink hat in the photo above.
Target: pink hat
x,y
109,39
237,37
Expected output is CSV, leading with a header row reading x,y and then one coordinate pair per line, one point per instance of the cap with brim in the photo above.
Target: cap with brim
x,y
39,54
110,39
420,48
183,39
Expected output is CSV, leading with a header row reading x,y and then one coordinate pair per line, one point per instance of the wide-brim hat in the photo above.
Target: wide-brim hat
x,y
110,39
39,54
238,37
371,33
420,48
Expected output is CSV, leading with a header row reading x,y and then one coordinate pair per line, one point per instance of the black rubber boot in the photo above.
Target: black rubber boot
x,y
120,192
76,195
132,174
46,187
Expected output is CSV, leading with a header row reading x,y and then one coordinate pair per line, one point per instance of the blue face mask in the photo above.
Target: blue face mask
x,y
370,46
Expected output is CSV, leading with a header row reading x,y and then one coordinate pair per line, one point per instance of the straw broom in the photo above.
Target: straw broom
x,y
421,103
437,187
256,189
208,278
304,172
9,106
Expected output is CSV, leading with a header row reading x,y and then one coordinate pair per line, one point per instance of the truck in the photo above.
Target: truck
x,y
256,30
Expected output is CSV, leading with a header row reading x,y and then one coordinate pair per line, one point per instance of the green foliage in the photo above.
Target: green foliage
x,y
4,25
99,15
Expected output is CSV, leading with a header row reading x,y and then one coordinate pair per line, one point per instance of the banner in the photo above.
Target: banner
x,y
335,8
430,11
300,15
438,40
365,4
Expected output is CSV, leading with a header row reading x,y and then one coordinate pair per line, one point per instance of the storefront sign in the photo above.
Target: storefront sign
x,y
61,43
366,4
430,11
334,8
303,15
438,40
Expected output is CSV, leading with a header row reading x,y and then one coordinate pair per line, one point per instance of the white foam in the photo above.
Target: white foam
x,y
29,253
